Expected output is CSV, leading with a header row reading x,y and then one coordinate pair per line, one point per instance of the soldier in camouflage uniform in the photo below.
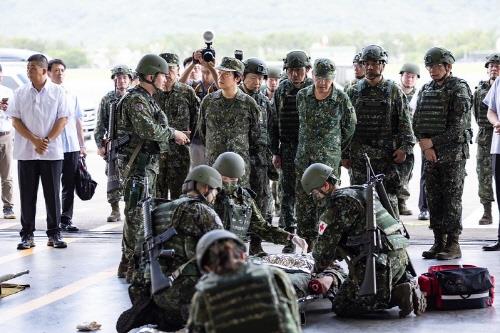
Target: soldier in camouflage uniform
x,y
483,157
341,230
122,76
192,217
284,133
384,128
180,104
239,212
359,71
327,121
409,75
141,118
262,298
229,118
442,126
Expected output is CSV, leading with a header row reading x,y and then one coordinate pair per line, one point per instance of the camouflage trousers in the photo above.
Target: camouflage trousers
x,y
133,193
173,171
288,151
406,172
259,183
484,174
113,196
392,179
348,302
444,183
173,303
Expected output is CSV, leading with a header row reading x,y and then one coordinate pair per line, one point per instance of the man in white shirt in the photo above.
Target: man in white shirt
x,y
39,113
73,143
6,151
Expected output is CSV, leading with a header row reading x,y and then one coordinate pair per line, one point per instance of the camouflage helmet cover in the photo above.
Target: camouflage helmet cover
x,y
230,164
296,59
255,66
152,64
208,239
315,176
375,53
121,69
438,55
206,175
410,68
492,58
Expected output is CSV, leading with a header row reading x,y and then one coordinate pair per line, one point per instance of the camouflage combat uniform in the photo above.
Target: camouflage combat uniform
x,y
443,115
284,134
101,129
191,217
262,299
240,215
181,107
341,227
384,125
139,116
229,125
326,128
261,157
484,137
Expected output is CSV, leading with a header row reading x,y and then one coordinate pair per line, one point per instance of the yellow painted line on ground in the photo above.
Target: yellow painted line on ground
x,y
56,295
41,246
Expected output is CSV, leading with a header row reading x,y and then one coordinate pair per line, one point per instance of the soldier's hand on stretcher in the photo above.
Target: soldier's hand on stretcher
x,y
300,242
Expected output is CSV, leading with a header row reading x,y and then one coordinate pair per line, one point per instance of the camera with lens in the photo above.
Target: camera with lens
x,y
208,53
238,54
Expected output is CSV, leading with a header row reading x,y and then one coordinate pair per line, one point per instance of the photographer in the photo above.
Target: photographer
x,y
208,74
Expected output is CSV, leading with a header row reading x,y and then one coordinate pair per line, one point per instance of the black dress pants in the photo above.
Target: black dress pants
x,y
29,173
69,167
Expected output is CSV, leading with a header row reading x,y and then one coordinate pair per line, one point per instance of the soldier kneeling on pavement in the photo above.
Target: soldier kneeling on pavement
x,y
341,230
191,216
237,295
237,208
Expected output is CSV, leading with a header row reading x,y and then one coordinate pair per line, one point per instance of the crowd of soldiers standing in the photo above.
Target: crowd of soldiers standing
x,y
244,134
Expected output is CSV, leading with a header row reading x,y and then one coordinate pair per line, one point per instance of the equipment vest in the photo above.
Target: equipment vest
x,y
390,228
237,216
289,118
244,302
373,112
482,120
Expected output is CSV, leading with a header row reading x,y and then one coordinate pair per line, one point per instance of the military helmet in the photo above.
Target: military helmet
x,y
121,69
274,72
356,58
206,175
492,58
255,66
315,176
151,64
296,59
410,68
375,53
230,164
209,239
438,55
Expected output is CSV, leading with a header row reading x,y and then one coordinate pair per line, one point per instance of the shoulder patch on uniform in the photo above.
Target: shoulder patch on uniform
x,y
322,227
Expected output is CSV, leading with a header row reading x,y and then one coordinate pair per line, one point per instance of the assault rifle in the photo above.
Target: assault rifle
x,y
8,277
152,246
112,145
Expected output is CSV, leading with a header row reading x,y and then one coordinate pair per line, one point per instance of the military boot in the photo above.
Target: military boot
x,y
256,246
486,218
452,248
403,209
493,247
438,246
122,267
290,246
401,296
115,212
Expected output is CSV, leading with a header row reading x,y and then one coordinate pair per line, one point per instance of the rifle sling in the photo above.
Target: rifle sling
x,y
132,159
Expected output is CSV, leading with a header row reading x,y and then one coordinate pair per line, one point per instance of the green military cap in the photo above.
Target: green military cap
x,y
492,58
172,59
230,64
410,68
324,68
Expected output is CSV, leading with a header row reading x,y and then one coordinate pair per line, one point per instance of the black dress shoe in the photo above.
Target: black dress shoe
x,y
424,215
493,247
68,227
